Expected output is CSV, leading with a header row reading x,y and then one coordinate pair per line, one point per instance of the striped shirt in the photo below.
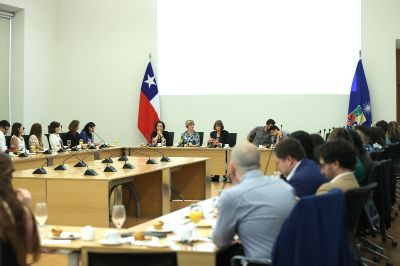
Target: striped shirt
x,y
255,209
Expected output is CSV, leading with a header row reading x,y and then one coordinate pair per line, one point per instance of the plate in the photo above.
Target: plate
x,y
204,224
66,236
106,242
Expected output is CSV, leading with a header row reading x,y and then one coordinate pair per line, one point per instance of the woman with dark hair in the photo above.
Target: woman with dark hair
x,y
55,141
218,137
317,139
159,135
393,132
72,134
87,133
359,171
357,143
35,137
306,141
18,232
365,135
17,142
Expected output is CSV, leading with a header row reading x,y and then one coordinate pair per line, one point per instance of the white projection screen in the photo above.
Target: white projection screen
x,y
230,47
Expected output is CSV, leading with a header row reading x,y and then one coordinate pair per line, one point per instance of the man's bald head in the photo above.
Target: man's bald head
x,y
245,157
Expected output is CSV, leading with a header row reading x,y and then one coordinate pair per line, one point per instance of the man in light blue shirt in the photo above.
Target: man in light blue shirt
x,y
255,208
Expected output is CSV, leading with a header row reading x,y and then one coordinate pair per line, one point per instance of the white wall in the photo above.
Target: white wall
x,y
86,59
103,49
380,29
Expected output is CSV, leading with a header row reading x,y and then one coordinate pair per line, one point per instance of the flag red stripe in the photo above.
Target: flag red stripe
x,y
147,116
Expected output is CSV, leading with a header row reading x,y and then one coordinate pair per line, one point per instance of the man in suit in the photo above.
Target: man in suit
x,y
338,159
301,173
255,208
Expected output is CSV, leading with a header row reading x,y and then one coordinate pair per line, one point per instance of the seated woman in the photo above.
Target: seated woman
x,y
159,135
189,138
87,133
72,135
35,137
218,137
55,141
393,132
17,142
18,232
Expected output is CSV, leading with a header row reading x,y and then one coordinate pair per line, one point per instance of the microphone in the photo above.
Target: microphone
x,y
319,132
281,127
110,168
149,161
41,170
90,171
23,154
81,163
164,158
62,166
104,145
109,160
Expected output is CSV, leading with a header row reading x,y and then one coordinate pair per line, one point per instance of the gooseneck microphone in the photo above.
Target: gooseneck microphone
x,y
41,170
109,160
104,145
62,167
149,161
164,158
81,163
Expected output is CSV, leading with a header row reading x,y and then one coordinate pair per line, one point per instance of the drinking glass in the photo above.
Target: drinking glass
x,y
118,216
69,143
41,215
116,142
195,215
81,142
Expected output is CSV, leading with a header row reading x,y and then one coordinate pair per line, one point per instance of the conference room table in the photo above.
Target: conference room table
x,y
219,157
39,159
76,199
202,252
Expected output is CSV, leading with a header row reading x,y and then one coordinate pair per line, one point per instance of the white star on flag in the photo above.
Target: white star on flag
x,y
150,81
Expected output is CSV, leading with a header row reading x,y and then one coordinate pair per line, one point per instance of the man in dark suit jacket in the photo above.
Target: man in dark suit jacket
x,y
302,174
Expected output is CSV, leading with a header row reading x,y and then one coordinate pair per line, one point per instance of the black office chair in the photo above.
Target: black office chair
x,y
8,141
355,201
63,138
170,139
371,171
201,137
232,139
132,259
48,139
26,139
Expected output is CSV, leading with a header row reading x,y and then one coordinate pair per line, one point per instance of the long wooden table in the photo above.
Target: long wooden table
x,y
76,199
199,253
37,160
219,157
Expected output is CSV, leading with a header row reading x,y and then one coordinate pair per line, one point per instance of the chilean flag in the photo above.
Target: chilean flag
x,y
149,107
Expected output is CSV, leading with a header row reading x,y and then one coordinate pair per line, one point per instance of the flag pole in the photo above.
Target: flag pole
x,y
149,56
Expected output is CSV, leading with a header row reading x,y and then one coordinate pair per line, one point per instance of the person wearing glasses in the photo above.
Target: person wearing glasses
x,y
4,127
159,135
17,142
189,138
55,141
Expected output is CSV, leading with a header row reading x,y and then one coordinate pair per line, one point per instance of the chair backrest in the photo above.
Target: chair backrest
x,y
48,139
26,140
170,139
377,155
232,139
355,201
8,141
201,137
63,138
132,259
371,171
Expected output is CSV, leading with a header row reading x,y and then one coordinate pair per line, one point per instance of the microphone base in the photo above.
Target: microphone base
x,y
103,146
165,159
61,167
74,149
90,172
91,147
110,169
151,161
107,160
47,152
123,158
128,166
23,155
80,164
40,171
60,151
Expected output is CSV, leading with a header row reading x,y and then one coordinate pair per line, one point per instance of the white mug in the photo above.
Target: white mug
x,y
260,146
159,144
226,145
88,233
